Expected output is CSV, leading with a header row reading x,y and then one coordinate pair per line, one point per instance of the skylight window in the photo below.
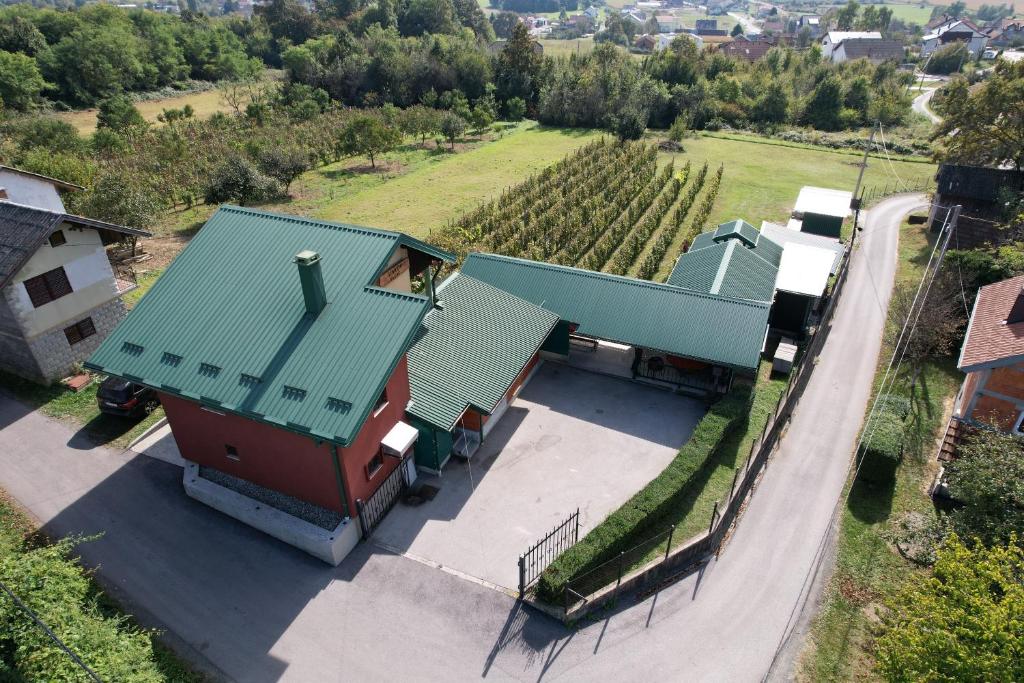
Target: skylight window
x,y
132,349
293,393
171,359
208,370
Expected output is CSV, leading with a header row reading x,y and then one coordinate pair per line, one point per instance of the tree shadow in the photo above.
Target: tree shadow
x,y
871,496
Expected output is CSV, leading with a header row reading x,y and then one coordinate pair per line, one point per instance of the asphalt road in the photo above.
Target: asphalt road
x,y
920,105
251,609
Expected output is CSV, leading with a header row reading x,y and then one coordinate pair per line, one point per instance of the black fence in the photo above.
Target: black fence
x,y
605,582
659,366
543,552
372,511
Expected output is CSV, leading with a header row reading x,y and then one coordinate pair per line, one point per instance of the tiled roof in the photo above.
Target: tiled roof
x,y
715,329
226,325
865,48
749,50
471,348
23,229
990,341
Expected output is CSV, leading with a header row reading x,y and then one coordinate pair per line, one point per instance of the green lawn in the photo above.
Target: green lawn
x,y
911,14
868,568
563,48
448,185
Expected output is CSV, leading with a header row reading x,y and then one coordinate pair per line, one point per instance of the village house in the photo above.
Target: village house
x,y
992,359
745,48
983,193
59,293
1008,33
954,31
832,39
875,51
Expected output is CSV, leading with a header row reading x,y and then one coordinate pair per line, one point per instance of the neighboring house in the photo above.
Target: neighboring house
x,y
953,31
592,12
750,50
812,22
636,17
983,193
709,27
1009,33
875,51
59,294
821,211
663,41
646,43
992,359
668,23
832,39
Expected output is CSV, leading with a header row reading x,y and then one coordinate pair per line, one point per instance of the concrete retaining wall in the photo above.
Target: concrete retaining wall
x,y
329,546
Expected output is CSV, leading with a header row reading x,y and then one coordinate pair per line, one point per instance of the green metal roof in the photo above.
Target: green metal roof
x,y
470,349
735,260
226,324
705,327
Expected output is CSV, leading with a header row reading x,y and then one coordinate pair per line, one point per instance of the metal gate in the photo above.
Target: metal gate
x,y
542,553
372,511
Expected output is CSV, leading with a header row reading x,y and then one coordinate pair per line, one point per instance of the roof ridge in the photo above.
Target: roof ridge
x,y
234,208
628,280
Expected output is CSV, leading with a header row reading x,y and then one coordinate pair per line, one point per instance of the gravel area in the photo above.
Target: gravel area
x,y
314,514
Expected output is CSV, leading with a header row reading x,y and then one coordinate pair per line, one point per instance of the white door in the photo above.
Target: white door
x,y
410,468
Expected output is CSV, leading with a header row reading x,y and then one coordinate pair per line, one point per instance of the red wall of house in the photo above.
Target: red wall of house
x,y
285,461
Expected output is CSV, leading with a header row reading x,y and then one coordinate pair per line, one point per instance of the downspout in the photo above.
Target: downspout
x,y
339,479
429,281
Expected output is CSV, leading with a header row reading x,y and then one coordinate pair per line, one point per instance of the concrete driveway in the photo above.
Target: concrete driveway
x,y
572,439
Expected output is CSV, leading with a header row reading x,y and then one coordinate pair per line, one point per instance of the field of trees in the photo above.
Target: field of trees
x,y
608,206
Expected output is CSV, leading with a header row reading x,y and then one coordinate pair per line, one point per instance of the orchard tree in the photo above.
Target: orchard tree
x,y
452,127
988,121
369,136
284,163
963,623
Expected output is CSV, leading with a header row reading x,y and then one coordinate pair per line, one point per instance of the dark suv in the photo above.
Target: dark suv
x,y
120,397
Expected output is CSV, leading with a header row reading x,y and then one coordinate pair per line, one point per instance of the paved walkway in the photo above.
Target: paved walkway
x,y
257,610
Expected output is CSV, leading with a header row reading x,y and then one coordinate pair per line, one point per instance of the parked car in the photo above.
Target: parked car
x,y
125,399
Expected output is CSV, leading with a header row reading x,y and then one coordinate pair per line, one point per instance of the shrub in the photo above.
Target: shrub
x,y
515,109
988,478
236,179
58,590
632,522
885,435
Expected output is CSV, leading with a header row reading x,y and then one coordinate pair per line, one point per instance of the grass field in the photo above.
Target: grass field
x,y
564,48
763,176
205,104
868,568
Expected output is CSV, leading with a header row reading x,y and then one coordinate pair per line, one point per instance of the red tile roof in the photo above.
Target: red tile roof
x,y
990,341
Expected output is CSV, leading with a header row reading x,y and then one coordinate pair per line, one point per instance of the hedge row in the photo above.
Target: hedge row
x,y
636,519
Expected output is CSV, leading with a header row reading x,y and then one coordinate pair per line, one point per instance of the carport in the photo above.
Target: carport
x,y
572,439
692,340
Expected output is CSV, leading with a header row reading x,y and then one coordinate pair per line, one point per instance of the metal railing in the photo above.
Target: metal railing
x,y
372,511
605,582
870,194
542,553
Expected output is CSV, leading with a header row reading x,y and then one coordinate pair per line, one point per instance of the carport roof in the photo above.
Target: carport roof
x,y
470,349
735,260
716,329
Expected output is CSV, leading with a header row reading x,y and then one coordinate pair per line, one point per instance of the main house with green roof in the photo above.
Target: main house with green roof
x,y
278,346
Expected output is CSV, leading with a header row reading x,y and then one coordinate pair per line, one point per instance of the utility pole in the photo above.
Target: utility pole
x,y
855,202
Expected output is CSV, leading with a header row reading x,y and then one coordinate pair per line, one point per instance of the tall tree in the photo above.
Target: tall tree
x,y
517,73
985,126
20,81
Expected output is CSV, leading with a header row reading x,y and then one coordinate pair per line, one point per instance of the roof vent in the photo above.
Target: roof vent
x,y
312,281
1017,311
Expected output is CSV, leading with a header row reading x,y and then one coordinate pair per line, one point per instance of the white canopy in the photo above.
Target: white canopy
x,y
804,269
399,439
823,202
784,236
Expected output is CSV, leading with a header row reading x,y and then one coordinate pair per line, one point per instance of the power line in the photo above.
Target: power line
x,y
53,636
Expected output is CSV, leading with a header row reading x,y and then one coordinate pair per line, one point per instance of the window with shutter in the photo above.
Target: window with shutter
x,y
79,331
43,289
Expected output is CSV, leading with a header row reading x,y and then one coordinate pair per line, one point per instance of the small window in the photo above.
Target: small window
x,y
373,467
58,238
232,453
42,289
382,401
79,331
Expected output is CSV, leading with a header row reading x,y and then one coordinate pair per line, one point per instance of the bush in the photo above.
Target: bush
x,y
632,522
58,590
236,179
947,59
988,479
885,434
515,109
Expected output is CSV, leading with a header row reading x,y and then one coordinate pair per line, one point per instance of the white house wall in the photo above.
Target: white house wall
x,y
92,282
22,189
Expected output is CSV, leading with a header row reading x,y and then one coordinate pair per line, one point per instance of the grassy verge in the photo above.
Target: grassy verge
x,y
145,281
79,408
684,494
18,536
868,568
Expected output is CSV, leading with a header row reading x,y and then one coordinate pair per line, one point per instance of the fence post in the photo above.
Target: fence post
x,y
618,582
576,535
362,518
714,513
734,476
522,576
668,544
